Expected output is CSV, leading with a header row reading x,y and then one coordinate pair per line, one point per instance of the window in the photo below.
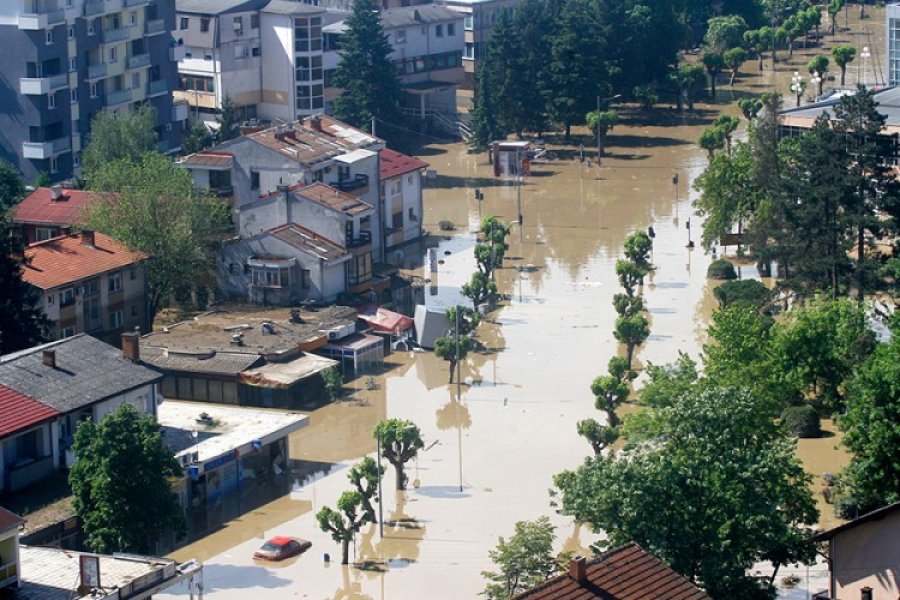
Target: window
x,y
400,36
67,297
184,23
132,18
114,282
469,51
396,186
67,332
113,54
468,23
439,30
91,29
135,81
254,21
254,181
54,164
51,100
132,274
254,51
271,276
76,159
305,281
71,32
44,233
397,220
204,24
412,215
50,299
198,84
451,29
73,64
93,90
865,593
409,179
239,25
73,95
49,36
115,319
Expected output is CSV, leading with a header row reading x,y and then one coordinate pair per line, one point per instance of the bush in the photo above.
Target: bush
x,y
721,269
446,225
802,421
747,291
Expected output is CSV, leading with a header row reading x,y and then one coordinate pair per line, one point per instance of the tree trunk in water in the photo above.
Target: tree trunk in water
x,y
398,468
843,74
453,363
629,350
791,49
345,552
833,23
712,86
568,130
734,73
367,505
600,146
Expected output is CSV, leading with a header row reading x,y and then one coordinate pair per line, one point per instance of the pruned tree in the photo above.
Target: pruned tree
x,y
818,65
712,139
714,64
453,349
116,138
630,275
364,476
734,58
600,123
345,522
333,380
400,443
632,331
480,289
843,56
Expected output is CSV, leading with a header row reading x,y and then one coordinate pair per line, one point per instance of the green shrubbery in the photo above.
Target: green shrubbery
x,y
721,269
746,291
802,421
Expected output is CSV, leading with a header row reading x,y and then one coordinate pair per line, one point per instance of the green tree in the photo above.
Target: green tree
x,y
714,64
12,187
119,137
453,350
712,139
365,73
818,65
717,491
610,391
734,58
666,383
638,247
345,522
523,562
468,319
495,233
746,291
729,193
486,126
630,275
534,20
22,322
757,41
159,212
333,380
120,483
400,443
724,32
834,9
227,120
601,123
631,331
508,74
689,78
197,139
749,107
364,476
479,290
871,426
728,124
843,55
627,306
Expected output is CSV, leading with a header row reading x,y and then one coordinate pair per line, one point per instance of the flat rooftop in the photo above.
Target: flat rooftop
x,y
226,428
53,574
214,331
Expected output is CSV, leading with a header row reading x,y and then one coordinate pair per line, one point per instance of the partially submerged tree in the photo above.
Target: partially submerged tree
x,y
333,380
453,349
345,522
632,331
524,561
364,476
818,65
479,290
600,123
734,58
120,483
400,442
714,64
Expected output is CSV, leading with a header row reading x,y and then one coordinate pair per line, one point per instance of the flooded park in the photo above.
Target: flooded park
x,y
493,446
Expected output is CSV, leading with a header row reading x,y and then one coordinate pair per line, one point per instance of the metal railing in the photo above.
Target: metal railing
x,y
97,71
137,61
354,183
118,97
363,238
159,86
8,572
115,35
155,26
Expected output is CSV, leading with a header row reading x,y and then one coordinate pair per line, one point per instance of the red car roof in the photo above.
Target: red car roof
x,y
280,540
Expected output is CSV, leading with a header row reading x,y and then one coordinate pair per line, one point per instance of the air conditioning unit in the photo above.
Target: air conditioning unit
x,y
333,335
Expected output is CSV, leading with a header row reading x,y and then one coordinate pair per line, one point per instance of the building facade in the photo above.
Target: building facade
x,y
401,193
479,17
66,60
49,212
892,39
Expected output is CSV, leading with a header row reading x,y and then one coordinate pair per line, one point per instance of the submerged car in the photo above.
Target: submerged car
x,y
281,547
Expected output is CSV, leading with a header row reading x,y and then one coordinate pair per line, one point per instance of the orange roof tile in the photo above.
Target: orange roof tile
x,y
68,259
394,163
41,208
21,412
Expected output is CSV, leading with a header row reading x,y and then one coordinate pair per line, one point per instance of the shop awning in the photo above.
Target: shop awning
x,y
283,375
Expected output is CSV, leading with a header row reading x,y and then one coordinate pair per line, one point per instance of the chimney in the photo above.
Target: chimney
x,y
578,570
284,204
55,192
49,358
131,347
315,122
87,237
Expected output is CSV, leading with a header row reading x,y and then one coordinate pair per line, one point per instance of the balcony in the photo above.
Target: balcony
x,y
96,71
24,472
134,3
155,27
39,86
41,20
364,238
157,87
119,97
180,111
45,150
93,8
9,574
356,182
112,36
138,61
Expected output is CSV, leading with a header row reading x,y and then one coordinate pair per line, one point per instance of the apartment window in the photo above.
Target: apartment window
x,y
400,36
469,51
397,220
451,29
93,89
412,215
91,30
135,81
204,24
132,274
113,54
114,283
76,159
254,21
184,23
469,23
254,181
51,100
73,64
207,57
54,164
396,187
271,276
254,51
115,319
71,32
197,84
49,299
309,68
865,593
67,297
239,25
132,18
439,31
49,36
44,233
305,280
73,95
70,3
409,179
66,332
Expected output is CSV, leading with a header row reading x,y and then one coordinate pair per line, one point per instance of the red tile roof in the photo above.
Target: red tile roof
x,y
9,520
67,259
21,412
40,208
626,573
394,163
209,158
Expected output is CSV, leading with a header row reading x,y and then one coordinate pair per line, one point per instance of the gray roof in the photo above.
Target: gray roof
x,y
217,7
291,7
887,100
87,371
210,363
431,323
408,16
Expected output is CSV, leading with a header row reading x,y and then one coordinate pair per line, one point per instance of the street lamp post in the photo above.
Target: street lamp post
x,y
816,80
797,86
865,65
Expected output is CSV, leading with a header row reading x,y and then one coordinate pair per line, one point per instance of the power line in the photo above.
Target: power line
x,y
419,133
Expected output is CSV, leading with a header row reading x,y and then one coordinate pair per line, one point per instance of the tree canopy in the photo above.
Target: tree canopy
x,y
120,483
523,561
119,137
22,320
345,522
12,187
400,442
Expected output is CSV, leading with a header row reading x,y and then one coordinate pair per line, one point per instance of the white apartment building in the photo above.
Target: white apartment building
x,y
265,55
479,18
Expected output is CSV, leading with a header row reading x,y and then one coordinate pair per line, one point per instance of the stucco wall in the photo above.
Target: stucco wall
x,y
868,556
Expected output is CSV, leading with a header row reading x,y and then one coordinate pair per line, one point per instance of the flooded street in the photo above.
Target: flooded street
x,y
491,453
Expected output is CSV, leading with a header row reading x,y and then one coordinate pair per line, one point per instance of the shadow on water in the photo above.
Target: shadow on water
x,y
232,577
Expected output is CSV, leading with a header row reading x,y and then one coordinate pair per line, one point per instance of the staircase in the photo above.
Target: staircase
x,y
455,124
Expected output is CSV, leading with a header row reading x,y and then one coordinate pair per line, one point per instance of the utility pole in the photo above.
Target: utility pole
x,y
373,127
599,149
458,383
519,183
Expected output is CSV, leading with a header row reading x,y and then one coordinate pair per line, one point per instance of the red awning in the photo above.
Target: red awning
x,y
387,321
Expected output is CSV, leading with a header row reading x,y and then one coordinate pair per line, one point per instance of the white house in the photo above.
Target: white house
x,y
401,191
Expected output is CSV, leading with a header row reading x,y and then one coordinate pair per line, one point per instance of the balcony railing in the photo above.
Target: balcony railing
x,y
97,71
9,573
364,238
45,150
37,86
119,97
354,183
28,472
157,87
111,36
41,19
156,27
133,3
137,61
100,7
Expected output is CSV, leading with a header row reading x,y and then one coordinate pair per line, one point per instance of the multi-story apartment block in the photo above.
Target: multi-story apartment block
x,y
88,283
66,60
265,55
892,39
427,43
480,16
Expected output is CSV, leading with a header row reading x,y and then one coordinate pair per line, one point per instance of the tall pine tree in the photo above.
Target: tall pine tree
x,y
22,323
507,73
369,81
485,115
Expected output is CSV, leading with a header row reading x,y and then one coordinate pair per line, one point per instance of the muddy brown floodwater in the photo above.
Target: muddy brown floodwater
x,y
491,453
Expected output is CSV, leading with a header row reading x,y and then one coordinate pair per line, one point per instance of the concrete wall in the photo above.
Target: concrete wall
x,y
274,169
278,94
409,199
48,445
868,555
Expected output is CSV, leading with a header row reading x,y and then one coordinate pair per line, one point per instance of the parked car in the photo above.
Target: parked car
x,y
281,547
